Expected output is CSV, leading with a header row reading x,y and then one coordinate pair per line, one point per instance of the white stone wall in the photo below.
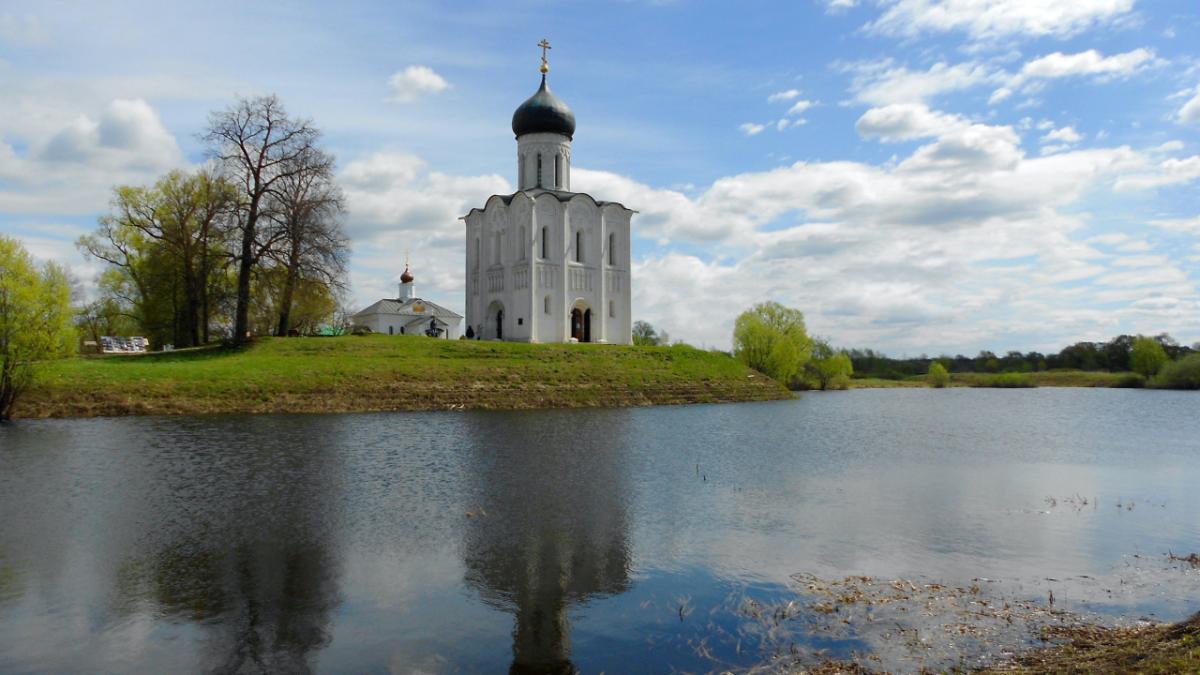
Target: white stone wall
x,y
537,284
390,324
555,153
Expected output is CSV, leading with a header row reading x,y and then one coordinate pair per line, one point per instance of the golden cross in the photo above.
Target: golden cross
x,y
545,64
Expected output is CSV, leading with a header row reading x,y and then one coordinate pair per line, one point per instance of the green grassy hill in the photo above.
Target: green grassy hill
x,y
376,373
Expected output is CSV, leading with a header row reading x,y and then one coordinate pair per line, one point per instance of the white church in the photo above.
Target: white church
x,y
409,315
545,264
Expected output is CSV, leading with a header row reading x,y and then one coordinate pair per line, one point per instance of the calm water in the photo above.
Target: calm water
x,y
612,540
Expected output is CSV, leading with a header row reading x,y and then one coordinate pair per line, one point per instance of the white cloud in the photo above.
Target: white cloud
x,y
839,5
799,107
884,83
413,82
905,121
999,95
992,19
1168,172
751,129
1184,225
1066,135
395,203
1031,77
1190,112
1090,62
74,168
788,95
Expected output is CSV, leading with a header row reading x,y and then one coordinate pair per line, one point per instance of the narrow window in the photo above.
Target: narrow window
x,y
521,245
521,172
496,250
539,173
612,309
544,248
558,171
579,246
477,260
612,243
546,304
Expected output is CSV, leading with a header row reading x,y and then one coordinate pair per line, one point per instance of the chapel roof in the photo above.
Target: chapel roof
x,y
405,307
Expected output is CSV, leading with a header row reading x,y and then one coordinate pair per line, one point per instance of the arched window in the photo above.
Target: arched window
x,y
612,309
521,172
496,249
478,261
539,171
612,248
579,246
558,171
546,305
545,247
521,244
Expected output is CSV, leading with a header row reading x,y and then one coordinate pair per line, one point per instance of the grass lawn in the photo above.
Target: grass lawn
x,y
373,373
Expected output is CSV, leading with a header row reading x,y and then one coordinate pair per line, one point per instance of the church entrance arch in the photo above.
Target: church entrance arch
x,y
581,322
494,327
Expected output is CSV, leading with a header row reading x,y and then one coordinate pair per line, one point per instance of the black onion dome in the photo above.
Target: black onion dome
x,y
544,113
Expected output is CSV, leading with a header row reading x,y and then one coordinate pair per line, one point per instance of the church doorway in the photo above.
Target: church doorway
x,y
494,328
581,324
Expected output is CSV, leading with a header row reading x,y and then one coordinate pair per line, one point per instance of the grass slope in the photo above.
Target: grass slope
x,y
377,373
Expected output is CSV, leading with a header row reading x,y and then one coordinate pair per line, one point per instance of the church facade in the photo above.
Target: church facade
x,y
546,264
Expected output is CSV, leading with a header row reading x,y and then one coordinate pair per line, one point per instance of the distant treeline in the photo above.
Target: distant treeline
x,y
1113,356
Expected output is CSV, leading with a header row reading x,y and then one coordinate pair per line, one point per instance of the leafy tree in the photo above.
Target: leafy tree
x,y
828,369
771,339
1147,356
1181,374
35,319
165,245
644,334
938,375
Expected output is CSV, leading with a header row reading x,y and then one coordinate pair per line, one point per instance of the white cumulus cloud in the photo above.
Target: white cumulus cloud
x,y
413,82
992,19
1190,112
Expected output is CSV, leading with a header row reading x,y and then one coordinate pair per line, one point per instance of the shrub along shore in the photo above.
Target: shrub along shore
x,y
385,373
1045,378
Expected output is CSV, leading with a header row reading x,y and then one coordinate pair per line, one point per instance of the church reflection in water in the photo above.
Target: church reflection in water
x,y
550,529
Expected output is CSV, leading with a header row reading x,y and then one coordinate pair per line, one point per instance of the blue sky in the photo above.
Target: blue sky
x,y
915,175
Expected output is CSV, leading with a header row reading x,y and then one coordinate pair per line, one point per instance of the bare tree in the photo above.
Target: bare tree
x,y
306,208
258,146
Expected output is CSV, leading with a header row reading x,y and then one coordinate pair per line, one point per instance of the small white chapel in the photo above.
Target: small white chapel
x,y
545,264
409,315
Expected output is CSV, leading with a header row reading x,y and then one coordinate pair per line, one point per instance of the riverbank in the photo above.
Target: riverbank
x,y
386,373
1156,648
1045,378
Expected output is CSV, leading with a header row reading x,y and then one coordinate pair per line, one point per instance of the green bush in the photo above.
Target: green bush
x,y
1181,374
1130,381
938,376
